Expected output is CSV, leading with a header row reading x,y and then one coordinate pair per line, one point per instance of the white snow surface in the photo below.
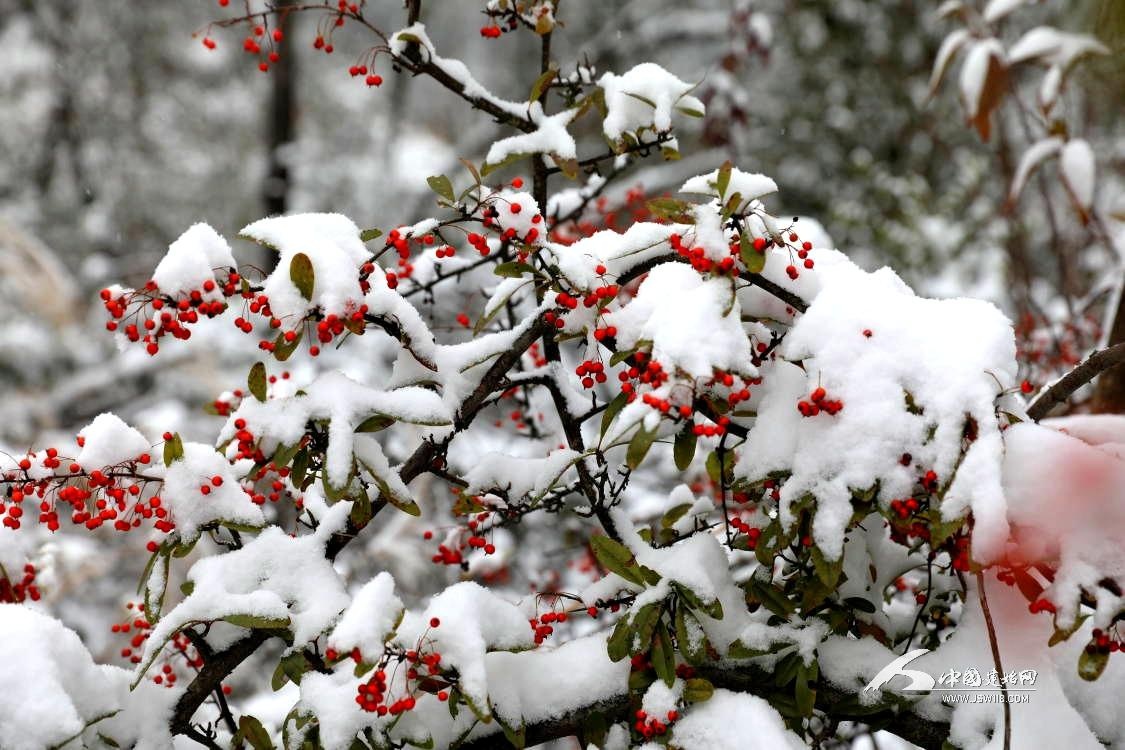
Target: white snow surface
x,y
626,113
108,440
191,260
332,244
227,502
733,721
953,356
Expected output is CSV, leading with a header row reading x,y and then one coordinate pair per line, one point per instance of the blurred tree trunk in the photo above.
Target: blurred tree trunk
x,y
1109,389
281,126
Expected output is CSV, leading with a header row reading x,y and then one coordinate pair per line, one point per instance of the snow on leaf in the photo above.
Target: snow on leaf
x,y
108,441
982,83
728,719
1030,161
1054,47
520,479
750,186
191,260
628,98
226,502
52,687
275,578
549,137
332,244
672,309
370,619
949,47
1078,170
920,350
997,9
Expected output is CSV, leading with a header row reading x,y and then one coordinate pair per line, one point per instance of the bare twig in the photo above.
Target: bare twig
x,y
1095,364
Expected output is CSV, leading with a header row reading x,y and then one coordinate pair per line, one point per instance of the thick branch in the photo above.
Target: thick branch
x,y
1096,363
925,733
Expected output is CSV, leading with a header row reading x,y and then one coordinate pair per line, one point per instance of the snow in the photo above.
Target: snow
x,y
1078,171
1063,482
369,620
693,323
331,242
274,578
953,356
751,186
733,721
52,688
628,114
108,441
997,9
344,404
474,621
549,137
191,260
1030,161
974,72
226,502
522,480
1056,48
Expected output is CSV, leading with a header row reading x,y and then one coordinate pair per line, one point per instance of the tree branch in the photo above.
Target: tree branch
x,y
925,733
1095,364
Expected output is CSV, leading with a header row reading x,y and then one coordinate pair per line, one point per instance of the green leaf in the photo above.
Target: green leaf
x,y
616,558
645,621
751,258
472,170
694,650
375,423
290,668
257,621
486,169
441,185
513,270
256,381
370,234
1061,634
722,180
663,656
173,449
615,406
698,690
283,348
541,84
739,650
640,98
639,447
805,689
620,641
674,514
672,209
690,111
155,589
684,449
253,732
1091,666
828,571
860,604
302,274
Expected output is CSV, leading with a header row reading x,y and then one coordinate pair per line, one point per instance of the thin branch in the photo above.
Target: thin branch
x,y
1095,364
995,645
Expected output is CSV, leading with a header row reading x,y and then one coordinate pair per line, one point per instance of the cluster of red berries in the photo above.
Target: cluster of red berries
x,y
170,316
1041,605
818,402
21,590
491,218
650,726
371,79
251,45
904,508
753,533
591,371
112,490
468,538
697,256
491,31
1103,643
645,371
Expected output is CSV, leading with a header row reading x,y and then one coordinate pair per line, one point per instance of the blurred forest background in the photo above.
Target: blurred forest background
x,y
119,129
